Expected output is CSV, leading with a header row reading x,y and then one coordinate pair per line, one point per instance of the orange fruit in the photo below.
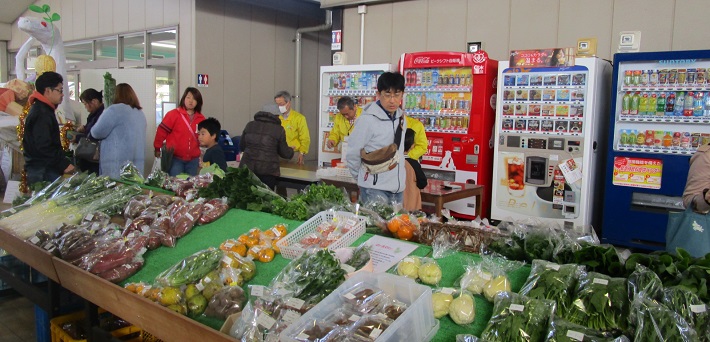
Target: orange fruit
x,y
243,238
405,232
275,247
393,225
282,229
269,233
404,218
240,249
133,287
254,232
266,255
254,252
251,242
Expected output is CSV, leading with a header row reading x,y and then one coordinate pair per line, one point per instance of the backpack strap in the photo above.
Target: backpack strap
x,y
398,132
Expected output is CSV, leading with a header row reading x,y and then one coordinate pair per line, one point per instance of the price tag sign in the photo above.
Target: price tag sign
x,y
349,296
375,333
295,303
575,335
347,268
516,307
447,290
698,308
600,281
257,290
555,267
291,316
265,321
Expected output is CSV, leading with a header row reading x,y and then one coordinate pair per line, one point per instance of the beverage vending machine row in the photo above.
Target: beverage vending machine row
x,y
549,135
660,109
356,81
453,95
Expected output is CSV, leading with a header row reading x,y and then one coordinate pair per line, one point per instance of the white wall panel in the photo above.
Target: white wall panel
x,y
690,25
449,14
137,14
378,34
92,19
533,24
654,18
68,21
351,34
171,12
154,13
79,13
105,18
120,16
237,103
586,19
489,23
409,32
210,60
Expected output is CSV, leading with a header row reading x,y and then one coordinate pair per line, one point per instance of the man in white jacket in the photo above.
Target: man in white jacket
x,y
379,126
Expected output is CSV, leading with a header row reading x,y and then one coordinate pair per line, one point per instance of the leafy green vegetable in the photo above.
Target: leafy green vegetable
x,y
316,198
518,318
690,307
510,247
191,269
656,322
214,169
600,302
130,173
539,244
244,191
361,256
552,281
646,281
600,258
310,277
564,331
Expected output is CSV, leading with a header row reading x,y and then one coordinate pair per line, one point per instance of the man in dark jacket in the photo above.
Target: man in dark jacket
x,y
263,142
44,157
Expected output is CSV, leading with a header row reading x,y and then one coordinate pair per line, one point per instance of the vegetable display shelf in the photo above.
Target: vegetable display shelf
x,y
171,326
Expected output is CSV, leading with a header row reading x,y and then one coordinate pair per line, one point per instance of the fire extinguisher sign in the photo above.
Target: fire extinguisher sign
x,y
203,80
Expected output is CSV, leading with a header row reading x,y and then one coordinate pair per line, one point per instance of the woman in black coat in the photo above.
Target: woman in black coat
x,y
263,142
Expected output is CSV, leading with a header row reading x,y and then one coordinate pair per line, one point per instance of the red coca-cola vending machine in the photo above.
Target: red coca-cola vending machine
x,y
454,94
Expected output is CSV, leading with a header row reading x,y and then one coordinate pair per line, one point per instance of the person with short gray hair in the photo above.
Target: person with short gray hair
x,y
294,123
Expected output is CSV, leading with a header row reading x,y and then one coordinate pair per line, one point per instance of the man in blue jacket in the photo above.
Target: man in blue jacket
x,y
375,154
44,157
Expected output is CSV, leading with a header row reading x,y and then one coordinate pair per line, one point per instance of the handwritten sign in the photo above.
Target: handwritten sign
x,y
386,252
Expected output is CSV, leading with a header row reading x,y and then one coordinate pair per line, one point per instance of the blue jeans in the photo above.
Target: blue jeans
x,y
373,195
180,166
40,173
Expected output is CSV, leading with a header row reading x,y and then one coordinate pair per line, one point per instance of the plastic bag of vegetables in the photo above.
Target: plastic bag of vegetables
x,y
643,279
563,331
487,277
518,318
466,338
429,272
600,302
191,269
548,280
656,322
462,309
444,244
130,173
689,306
441,299
409,267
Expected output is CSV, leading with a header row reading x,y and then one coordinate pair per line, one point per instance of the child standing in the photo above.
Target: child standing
x,y
416,179
208,130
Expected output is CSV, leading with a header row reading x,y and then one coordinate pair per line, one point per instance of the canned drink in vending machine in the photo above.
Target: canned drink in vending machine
x,y
685,140
705,139
691,76
649,137
695,139
663,76
682,73
672,76
700,75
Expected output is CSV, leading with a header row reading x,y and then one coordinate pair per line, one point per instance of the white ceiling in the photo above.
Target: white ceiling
x,y
12,9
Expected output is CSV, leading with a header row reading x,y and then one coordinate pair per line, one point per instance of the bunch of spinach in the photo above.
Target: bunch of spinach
x,y
690,307
509,247
311,277
244,190
564,331
316,198
548,280
656,322
600,258
676,269
518,318
540,244
646,281
600,302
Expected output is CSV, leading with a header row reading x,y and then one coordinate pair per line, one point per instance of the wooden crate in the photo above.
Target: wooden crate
x,y
472,238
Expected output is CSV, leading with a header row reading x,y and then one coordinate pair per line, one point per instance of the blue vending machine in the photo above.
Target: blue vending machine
x,y
660,114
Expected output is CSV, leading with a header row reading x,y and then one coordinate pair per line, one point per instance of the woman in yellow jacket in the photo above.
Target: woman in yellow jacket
x,y
420,141
294,123
344,122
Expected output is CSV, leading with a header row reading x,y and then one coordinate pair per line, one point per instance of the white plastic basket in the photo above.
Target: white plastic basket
x,y
417,323
290,245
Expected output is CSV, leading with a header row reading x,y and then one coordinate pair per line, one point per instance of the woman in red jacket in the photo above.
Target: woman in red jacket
x,y
179,132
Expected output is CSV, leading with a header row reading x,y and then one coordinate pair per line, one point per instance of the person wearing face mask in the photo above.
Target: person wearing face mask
x,y
344,122
179,132
294,123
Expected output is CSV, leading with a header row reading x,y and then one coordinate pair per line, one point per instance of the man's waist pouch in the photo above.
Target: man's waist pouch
x,y
381,160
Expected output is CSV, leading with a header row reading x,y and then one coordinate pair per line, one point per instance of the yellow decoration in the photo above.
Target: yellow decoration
x,y
20,134
69,126
45,63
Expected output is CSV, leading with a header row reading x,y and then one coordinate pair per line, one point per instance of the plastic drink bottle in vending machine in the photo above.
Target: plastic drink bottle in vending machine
x,y
631,140
653,77
626,103
652,103
628,74
624,137
706,109
644,78
643,104
435,78
661,105
634,108
698,104
637,77
688,106
679,103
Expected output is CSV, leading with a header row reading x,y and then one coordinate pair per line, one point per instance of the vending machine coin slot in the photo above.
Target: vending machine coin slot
x,y
472,159
476,149
535,170
513,141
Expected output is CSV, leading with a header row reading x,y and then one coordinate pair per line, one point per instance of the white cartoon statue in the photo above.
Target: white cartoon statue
x,y
448,162
47,34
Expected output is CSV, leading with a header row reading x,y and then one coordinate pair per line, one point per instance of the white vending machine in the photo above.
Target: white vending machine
x,y
551,133
356,81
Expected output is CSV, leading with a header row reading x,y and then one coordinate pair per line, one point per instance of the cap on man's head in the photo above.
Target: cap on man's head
x,y
271,108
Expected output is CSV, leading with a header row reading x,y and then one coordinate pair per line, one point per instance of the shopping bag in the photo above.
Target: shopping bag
x,y
688,230
87,150
166,158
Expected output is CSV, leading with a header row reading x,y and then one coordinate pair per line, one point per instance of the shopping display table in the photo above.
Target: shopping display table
x,y
170,326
